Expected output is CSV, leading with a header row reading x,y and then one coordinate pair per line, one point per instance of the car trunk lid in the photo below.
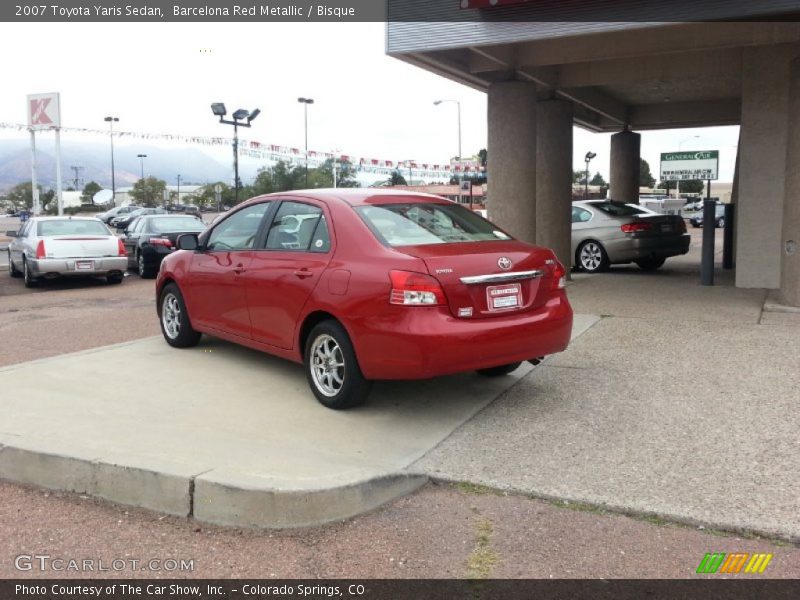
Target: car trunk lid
x,y
81,246
489,279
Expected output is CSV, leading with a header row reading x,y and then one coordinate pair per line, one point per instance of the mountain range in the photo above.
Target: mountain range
x,y
94,160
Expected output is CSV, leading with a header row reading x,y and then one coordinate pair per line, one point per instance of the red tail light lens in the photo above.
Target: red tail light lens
x,y
559,276
121,248
415,289
636,227
40,249
161,242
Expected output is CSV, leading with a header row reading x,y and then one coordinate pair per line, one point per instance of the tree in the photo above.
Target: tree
x,y
579,176
149,191
322,176
483,156
646,178
21,196
597,180
396,178
89,190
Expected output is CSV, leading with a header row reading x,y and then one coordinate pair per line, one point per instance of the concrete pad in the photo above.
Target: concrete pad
x,y
694,421
230,435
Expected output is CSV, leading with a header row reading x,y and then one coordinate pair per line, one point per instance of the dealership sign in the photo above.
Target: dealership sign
x,y
686,166
44,111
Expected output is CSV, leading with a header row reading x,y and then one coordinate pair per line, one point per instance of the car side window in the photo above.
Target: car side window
x,y
238,232
300,227
23,232
580,215
135,226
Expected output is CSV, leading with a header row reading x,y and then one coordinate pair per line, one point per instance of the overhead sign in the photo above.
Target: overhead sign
x,y
44,111
686,166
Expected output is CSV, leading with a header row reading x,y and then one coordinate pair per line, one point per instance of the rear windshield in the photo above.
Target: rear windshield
x,y
170,224
413,224
71,227
616,209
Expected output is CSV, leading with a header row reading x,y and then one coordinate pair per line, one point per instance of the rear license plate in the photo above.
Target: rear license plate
x,y
500,297
84,265
667,228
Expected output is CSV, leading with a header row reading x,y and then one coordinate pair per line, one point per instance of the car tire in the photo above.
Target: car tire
x,y
30,280
174,319
499,371
332,369
650,264
591,257
721,222
115,278
145,272
12,270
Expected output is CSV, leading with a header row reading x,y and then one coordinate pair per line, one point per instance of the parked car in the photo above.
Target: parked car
x,y
150,238
49,247
605,232
123,221
117,211
719,215
372,284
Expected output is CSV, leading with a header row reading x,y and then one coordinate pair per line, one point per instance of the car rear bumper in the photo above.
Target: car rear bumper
x,y
628,249
424,342
67,267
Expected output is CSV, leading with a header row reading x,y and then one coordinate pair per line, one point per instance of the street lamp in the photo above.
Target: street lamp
x,y
305,102
141,158
589,156
111,121
178,201
678,181
241,118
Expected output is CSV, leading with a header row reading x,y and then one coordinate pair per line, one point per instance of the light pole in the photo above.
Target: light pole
x,y
179,190
141,158
111,121
458,104
241,118
305,102
678,181
589,156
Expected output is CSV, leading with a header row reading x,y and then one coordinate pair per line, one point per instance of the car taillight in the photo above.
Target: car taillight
x,y
681,226
161,242
415,289
559,276
40,249
121,248
636,227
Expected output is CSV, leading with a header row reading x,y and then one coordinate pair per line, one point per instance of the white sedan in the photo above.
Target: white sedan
x,y
50,247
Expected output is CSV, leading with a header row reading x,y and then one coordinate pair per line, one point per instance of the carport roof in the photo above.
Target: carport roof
x,y
646,75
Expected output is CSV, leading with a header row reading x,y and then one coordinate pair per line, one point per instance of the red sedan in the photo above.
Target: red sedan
x,y
360,285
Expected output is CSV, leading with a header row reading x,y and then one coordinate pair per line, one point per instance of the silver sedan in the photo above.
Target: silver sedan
x,y
605,232
49,247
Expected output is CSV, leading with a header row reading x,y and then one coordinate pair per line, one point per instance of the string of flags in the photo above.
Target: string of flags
x,y
274,152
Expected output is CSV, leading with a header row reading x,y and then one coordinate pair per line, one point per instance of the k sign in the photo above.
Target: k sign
x,y
44,111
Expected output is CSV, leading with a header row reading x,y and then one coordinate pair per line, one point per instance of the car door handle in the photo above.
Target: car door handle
x,y
303,273
239,269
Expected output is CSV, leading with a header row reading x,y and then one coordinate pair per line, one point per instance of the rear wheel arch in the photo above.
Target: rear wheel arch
x,y
311,321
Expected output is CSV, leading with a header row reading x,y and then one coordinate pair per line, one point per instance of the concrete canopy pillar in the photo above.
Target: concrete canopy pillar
x,y
554,177
790,239
511,153
625,154
762,165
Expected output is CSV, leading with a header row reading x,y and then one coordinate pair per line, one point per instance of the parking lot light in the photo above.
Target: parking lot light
x,y
241,118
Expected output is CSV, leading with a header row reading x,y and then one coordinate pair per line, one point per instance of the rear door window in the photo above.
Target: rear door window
x,y
615,209
298,226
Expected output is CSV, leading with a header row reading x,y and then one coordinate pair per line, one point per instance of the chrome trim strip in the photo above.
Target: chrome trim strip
x,y
500,277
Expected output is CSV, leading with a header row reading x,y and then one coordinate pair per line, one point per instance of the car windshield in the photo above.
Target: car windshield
x,y
615,209
415,223
170,224
71,227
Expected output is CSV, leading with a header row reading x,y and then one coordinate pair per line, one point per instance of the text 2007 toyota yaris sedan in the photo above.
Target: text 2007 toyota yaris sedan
x,y
360,285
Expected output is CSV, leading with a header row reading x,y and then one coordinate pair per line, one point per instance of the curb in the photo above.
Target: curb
x,y
176,491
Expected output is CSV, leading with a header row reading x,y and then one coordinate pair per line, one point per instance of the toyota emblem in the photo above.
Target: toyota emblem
x,y
504,263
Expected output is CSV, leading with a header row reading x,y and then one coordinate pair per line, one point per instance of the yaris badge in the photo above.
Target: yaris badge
x,y
504,263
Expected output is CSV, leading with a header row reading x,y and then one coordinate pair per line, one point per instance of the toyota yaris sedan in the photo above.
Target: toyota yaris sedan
x,y
363,285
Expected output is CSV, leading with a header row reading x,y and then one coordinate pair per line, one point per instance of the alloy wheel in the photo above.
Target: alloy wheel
x,y
171,315
327,365
591,256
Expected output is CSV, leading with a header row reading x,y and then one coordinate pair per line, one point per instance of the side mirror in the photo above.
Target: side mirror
x,y
11,233
187,241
